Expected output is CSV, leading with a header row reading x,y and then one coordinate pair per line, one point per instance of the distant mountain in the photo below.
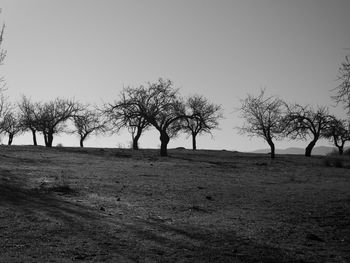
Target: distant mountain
x,y
319,150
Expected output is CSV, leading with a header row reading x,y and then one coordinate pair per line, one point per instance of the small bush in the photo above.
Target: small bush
x,y
338,163
120,146
59,184
333,162
63,189
347,152
334,152
59,145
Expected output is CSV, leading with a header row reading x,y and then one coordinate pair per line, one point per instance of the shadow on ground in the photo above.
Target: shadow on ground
x,y
37,226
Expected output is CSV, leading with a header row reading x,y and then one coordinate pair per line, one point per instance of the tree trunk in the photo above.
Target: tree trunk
x,y
164,139
49,139
194,143
135,144
135,139
309,148
272,146
45,138
82,139
341,148
34,137
10,139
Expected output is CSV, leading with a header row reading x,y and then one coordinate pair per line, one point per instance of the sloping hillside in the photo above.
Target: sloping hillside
x,y
110,205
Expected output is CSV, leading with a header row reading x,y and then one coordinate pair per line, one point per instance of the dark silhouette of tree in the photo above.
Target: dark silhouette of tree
x,y
2,51
343,89
205,115
161,106
263,118
338,131
125,113
11,125
304,122
29,117
88,122
4,106
52,116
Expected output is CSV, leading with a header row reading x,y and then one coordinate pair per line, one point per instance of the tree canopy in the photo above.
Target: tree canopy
x,y
303,122
51,117
125,113
87,122
338,131
343,89
205,117
263,118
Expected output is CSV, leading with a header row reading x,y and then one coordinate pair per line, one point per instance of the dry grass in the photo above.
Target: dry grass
x,y
117,205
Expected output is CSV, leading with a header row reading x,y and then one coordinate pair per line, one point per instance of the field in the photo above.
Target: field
x,y
118,205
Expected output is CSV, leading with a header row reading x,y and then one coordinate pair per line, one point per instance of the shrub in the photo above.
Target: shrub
x,y
120,146
347,152
333,162
61,184
334,152
63,189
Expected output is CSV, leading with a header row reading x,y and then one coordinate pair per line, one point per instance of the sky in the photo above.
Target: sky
x,y
224,49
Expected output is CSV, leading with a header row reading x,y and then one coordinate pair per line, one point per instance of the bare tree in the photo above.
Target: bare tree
x,y
160,105
52,116
4,104
206,116
304,122
338,131
2,51
29,117
88,122
11,125
164,109
343,89
263,118
125,113
3,100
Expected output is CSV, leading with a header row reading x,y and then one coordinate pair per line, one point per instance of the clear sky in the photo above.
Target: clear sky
x,y
222,49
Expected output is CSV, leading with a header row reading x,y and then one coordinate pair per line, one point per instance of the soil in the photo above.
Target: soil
x,y
117,205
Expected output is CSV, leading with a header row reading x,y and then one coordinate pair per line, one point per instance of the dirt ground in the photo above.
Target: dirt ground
x,y
117,205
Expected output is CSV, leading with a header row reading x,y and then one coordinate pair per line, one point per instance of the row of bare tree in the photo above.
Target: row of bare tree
x,y
156,105
49,118
271,118
159,105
